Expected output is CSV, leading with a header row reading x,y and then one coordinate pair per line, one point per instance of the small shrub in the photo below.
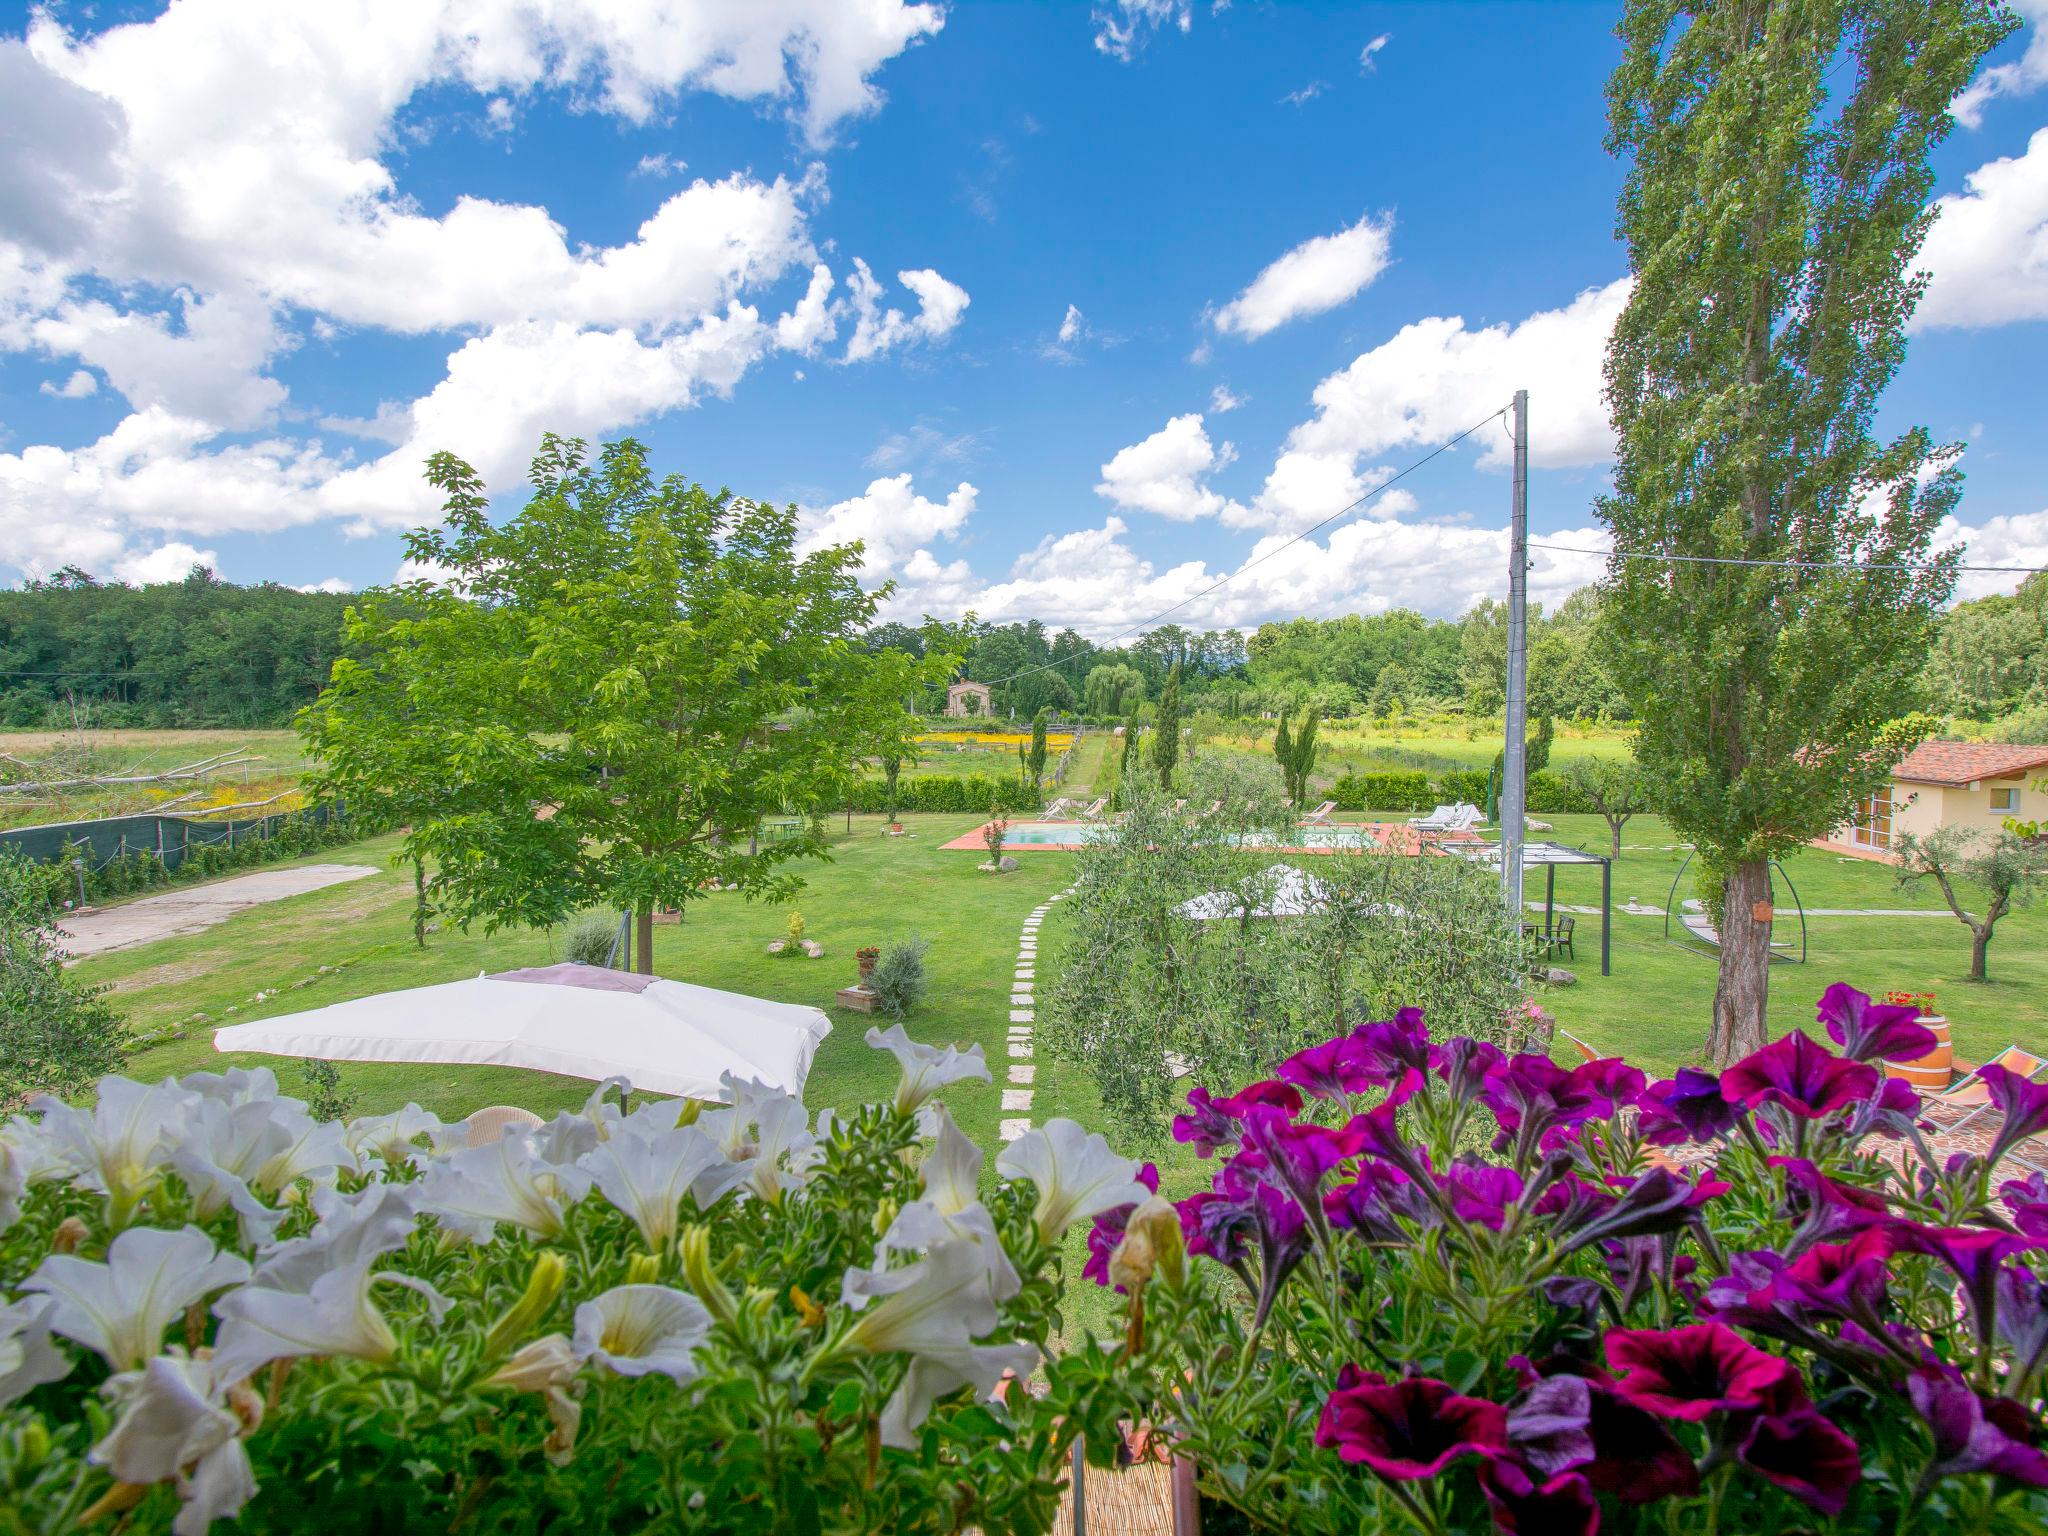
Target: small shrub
x,y
899,981
793,937
325,1097
590,938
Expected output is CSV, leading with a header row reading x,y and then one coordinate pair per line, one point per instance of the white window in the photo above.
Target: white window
x,y
2005,800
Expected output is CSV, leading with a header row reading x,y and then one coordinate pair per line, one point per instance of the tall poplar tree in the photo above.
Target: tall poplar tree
x,y
1776,196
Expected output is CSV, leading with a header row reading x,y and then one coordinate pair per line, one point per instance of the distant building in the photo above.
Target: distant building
x,y
958,695
1947,784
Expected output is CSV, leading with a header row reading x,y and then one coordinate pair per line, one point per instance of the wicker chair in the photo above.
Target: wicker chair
x,y
490,1124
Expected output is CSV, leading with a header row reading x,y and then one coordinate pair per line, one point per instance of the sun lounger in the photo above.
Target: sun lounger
x,y
1433,821
1094,812
1320,816
1062,809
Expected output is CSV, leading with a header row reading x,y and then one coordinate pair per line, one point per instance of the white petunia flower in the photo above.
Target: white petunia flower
x,y
504,1181
13,1184
312,1149
646,1172
938,1373
174,1426
27,1357
238,1085
926,1068
641,1329
942,1301
312,1295
952,1170
1076,1173
122,1307
222,1145
118,1147
784,1150
392,1138
547,1366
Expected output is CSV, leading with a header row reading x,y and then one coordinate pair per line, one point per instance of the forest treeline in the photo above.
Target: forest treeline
x,y
188,654
204,652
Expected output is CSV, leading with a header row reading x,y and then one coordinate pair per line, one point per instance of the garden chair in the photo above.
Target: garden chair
x,y
1463,818
1062,809
1435,821
1320,816
1559,940
1579,1045
1970,1089
1094,812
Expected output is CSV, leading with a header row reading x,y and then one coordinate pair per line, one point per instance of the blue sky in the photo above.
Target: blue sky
x,y
1103,301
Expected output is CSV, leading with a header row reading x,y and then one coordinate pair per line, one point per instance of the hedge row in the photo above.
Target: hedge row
x,y
973,792
1549,794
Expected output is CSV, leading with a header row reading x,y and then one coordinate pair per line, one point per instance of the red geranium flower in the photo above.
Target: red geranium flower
x,y
1693,1371
1409,1429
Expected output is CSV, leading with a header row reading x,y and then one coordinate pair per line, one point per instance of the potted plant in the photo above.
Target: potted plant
x,y
866,957
1937,1067
1366,1324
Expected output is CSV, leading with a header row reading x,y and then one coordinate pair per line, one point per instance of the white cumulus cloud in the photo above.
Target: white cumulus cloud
x,y
892,522
1163,474
1987,255
1122,28
81,383
2029,72
1315,276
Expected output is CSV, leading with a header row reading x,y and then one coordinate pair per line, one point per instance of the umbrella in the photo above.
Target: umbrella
x,y
666,1037
1288,893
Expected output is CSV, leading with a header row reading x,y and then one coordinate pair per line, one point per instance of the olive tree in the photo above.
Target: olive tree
x,y
2007,867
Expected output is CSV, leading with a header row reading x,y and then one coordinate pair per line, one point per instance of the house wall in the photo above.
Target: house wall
x,y
1923,808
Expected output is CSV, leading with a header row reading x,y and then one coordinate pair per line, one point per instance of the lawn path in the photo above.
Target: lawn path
x,y
192,909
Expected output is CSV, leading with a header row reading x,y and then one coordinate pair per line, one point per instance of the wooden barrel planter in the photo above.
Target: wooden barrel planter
x,y
1933,1070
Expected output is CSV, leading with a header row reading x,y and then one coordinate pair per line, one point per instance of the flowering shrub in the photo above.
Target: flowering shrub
x,y
1368,1323
215,1307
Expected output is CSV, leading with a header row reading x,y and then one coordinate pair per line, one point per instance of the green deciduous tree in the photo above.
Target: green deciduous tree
x,y
1616,789
1166,730
2007,866
55,1036
1775,198
613,686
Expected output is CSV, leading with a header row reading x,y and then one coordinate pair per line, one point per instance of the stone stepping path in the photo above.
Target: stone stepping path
x,y
1017,1095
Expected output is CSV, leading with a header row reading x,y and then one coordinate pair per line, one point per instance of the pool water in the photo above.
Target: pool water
x,y
1054,833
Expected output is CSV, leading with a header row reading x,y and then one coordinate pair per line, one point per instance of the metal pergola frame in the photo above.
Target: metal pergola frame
x,y
1550,855
1779,951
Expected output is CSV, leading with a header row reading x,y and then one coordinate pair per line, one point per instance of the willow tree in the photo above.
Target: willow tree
x,y
605,692
1775,199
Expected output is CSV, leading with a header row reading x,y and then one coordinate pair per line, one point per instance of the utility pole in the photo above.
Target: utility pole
x,y
1514,765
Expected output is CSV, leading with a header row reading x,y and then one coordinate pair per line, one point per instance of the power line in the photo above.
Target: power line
x,y
1797,565
1383,486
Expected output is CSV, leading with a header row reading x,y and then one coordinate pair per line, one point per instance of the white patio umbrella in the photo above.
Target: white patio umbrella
x,y
666,1037
1288,893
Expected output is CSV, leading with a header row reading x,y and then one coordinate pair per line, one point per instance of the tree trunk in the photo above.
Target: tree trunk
x,y
643,941
419,902
1744,983
1980,941
1613,839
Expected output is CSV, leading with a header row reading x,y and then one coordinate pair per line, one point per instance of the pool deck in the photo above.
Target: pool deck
x,y
1387,837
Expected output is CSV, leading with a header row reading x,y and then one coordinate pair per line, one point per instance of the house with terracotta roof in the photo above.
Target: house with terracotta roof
x,y
1944,784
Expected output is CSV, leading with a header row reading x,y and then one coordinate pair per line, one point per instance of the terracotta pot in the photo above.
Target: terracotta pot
x,y
866,959
1935,1068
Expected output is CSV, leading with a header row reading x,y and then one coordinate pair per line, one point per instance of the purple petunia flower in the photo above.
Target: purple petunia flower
x,y
1271,1092
1868,1031
1207,1126
1805,1455
1481,1192
1891,1112
1377,1134
1564,1506
1108,1231
1658,1201
1828,1210
1375,1201
1968,1435
1840,1279
1551,1427
1410,1429
1800,1077
1464,1064
1975,1254
2027,1199
1296,1154
2023,1102
1688,1107
1695,1370
1536,1100
1636,1459
2023,1317
1332,1070
1282,1228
